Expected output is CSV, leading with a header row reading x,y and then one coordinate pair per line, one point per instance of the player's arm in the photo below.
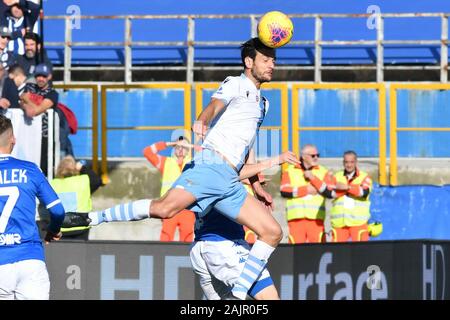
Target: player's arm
x,y
57,214
251,169
208,114
229,89
260,193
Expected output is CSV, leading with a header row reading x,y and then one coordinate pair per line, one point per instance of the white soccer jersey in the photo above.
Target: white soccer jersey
x,y
233,132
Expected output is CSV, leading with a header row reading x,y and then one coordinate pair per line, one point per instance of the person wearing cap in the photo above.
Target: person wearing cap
x,y
305,187
6,58
37,99
350,211
42,88
171,168
5,36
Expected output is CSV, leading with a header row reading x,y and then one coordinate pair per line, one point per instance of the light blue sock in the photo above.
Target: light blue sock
x,y
256,261
136,210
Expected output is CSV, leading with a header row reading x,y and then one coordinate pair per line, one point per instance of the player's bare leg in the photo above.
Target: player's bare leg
x,y
175,200
170,204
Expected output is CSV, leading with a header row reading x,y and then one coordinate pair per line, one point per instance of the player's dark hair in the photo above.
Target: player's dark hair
x,y
249,48
5,124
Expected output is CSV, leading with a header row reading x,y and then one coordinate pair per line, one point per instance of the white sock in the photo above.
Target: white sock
x,y
257,260
136,210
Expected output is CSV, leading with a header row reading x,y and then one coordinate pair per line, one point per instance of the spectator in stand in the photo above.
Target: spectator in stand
x,y
6,58
37,99
171,168
13,88
16,23
29,8
30,59
5,36
19,17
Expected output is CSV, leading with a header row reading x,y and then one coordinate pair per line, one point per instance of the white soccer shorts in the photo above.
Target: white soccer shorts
x,y
219,264
24,280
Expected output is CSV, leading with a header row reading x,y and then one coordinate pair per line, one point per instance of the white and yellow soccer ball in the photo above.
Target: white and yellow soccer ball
x,y
275,29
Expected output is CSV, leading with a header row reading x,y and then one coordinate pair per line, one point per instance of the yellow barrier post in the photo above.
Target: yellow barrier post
x,y
394,129
104,88
296,128
94,127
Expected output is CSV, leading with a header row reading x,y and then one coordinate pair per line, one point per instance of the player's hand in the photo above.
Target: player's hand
x,y
50,236
199,129
265,197
289,157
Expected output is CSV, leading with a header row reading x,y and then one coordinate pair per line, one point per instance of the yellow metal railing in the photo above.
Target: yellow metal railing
x,y
393,168
296,128
104,88
199,87
94,126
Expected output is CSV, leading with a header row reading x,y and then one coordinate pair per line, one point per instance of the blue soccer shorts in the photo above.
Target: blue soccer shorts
x,y
214,183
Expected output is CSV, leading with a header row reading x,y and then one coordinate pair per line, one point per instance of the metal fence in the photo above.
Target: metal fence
x,y
318,43
381,128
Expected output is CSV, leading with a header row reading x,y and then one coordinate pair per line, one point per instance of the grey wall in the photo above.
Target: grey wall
x,y
150,270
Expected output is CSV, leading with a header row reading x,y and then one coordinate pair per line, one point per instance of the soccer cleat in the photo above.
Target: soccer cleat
x,y
76,220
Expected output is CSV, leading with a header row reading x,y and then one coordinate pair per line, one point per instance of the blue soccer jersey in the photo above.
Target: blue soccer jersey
x,y
214,226
20,183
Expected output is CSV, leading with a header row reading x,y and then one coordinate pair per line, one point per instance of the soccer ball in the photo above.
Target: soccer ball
x,y
275,29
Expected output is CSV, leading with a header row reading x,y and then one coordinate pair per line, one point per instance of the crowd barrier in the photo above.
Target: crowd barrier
x,y
161,271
